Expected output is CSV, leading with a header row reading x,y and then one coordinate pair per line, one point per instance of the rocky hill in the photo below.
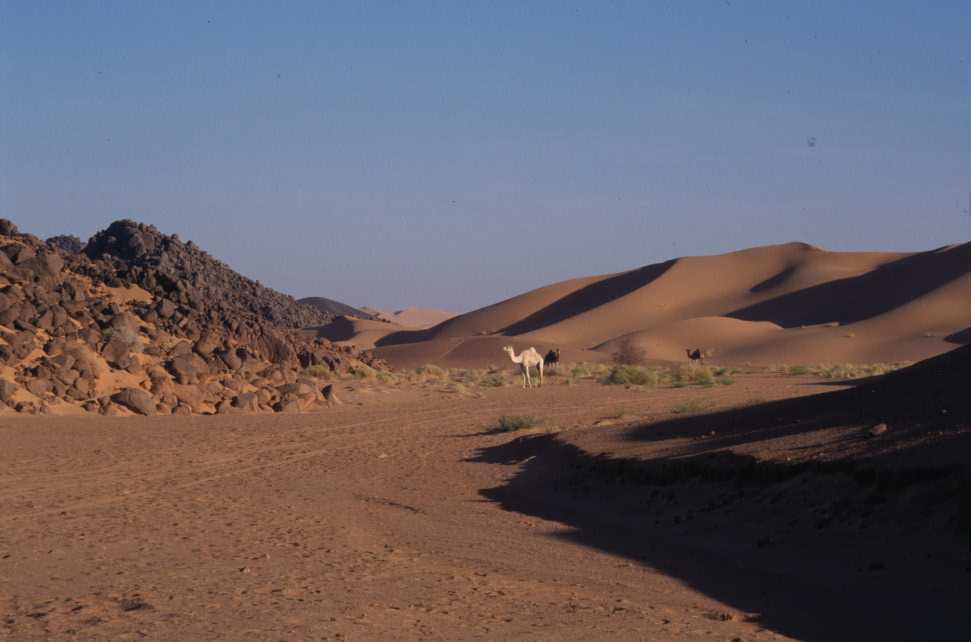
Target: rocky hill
x,y
141,322
335,308
166,266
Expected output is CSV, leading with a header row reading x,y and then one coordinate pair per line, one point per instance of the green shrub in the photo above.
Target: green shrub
x,y
493,380
703,376
630,376
362,372
695,405
430,370
510,423
579,372
318,372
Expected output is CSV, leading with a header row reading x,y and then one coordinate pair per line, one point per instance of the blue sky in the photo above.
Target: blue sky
x,y
450,154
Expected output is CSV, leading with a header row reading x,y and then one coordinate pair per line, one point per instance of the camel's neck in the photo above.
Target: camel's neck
x,y
515,359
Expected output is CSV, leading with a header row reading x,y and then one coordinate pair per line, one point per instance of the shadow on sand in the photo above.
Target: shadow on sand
x,y
820,550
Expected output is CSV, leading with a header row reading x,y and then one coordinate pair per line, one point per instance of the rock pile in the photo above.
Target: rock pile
x,y
137,322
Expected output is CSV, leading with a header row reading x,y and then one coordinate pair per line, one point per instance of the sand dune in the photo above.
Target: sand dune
x,y
353,331
782,303
411,317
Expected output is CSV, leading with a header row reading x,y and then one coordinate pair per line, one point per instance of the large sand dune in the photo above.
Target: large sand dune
x,y
785,303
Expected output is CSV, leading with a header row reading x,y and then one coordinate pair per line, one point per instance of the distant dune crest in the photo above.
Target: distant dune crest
x,y
411,317
788,303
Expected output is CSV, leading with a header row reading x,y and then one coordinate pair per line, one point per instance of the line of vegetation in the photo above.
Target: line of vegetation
x,y
845,371
692,406
512,423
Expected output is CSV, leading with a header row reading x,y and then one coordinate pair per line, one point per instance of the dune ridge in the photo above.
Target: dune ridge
x,y
787,303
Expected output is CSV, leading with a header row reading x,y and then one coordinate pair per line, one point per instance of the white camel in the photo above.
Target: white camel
x,y
527,359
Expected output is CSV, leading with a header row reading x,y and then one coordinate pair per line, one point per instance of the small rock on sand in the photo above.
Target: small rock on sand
x,y
877,430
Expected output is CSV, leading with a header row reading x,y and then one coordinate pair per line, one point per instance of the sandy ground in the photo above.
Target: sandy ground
x,y
401,516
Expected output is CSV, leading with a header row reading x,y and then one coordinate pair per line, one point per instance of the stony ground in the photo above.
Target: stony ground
x,y
402,515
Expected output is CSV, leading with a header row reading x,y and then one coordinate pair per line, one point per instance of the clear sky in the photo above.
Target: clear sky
x,y
451,154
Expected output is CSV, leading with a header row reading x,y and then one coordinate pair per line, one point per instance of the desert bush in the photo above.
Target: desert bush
x,y
430,370
725,380
510,423
318,372
457,388
493,380
579,371
688,374
629,354
624,375
692,406
851,371
795,371
362,372
618,413
703,376
427,373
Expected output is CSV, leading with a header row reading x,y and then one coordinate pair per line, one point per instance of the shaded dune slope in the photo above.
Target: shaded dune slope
x,y
789,302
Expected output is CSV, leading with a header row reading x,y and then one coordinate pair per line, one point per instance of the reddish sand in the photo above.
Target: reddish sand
x,y
402,515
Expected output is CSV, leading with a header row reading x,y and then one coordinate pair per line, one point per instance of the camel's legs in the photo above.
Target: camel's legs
x,y
524,372
540,366
529,380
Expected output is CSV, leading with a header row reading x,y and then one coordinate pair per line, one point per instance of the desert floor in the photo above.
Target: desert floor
x,y
402,515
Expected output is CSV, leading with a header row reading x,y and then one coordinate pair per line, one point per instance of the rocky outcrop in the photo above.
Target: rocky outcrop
x,y
140,322
66,243
186,275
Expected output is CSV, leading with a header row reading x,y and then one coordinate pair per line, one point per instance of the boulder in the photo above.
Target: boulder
x,y
330,395
67,243
188,368
41,267
287,405
166,309
182,410
299,389
246,401
225,407
136,400
112,410
208,342
231,359
7,228
117,353
7,389
39,387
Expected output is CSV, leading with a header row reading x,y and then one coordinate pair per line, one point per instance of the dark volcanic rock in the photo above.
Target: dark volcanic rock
x,y
66,243
135,300
335,308
164,264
